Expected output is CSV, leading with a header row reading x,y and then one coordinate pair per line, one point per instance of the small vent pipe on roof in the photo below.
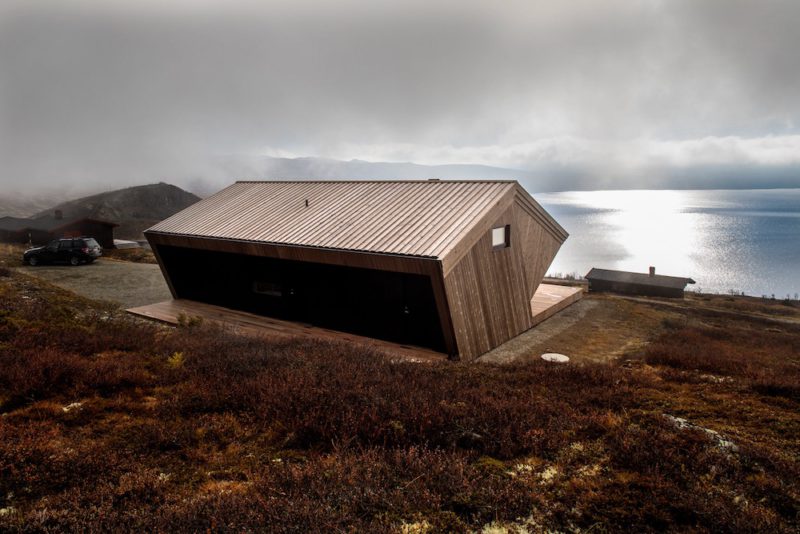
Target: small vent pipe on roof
x,y
652,271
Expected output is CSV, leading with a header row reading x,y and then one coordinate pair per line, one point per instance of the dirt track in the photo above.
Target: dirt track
x,y
595,329
127,284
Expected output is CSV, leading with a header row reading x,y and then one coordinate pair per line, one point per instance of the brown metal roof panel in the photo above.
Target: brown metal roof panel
x,y
411,217
400,230
367,209
457,226
447,217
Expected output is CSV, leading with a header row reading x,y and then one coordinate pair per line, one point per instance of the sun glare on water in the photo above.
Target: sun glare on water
x,y
645,228
655,230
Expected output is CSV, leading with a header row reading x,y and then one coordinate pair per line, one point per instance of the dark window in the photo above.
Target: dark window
x,y
501,236
65,244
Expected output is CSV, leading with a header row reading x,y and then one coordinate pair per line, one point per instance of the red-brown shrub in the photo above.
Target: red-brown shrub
x,y
765,360
109,424
314,395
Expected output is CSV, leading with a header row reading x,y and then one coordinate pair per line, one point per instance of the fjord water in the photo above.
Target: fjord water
x,y
726,240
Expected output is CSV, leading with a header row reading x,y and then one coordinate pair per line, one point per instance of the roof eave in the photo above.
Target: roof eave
x,y
538,212
150,231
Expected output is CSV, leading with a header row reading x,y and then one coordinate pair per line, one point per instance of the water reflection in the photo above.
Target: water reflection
x,y
726,240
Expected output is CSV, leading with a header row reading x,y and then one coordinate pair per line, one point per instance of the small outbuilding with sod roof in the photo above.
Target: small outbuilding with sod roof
x,y
650,284
452,266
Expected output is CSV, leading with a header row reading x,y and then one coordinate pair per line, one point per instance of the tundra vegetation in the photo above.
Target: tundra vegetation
x,y
111,423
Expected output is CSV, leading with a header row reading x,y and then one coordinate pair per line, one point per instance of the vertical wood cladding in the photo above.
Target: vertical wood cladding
x,y
489,290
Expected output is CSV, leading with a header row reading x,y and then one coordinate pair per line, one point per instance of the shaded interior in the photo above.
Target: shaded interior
x,y
398,307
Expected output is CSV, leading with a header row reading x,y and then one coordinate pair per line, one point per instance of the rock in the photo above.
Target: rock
x,y
73,406
555,357
715,436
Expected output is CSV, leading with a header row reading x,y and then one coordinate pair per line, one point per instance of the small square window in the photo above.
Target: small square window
x,y
501,236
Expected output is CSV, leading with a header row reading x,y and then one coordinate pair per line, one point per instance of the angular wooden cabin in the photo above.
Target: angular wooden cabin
x,y
447,265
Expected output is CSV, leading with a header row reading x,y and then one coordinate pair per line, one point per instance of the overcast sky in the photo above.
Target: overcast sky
x,y
97,92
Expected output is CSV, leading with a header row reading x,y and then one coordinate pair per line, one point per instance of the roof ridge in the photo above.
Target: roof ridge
x,y
376,181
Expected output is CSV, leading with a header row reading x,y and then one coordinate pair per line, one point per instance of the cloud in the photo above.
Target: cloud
x,y
139,91
620,157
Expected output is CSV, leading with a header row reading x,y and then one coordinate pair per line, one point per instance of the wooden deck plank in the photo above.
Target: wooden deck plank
x,y
259,326
550,299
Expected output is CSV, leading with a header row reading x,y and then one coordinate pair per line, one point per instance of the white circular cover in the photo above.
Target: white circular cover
x,y
555,357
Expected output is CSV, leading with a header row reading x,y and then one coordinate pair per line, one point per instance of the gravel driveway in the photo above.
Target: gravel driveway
x,y
128,284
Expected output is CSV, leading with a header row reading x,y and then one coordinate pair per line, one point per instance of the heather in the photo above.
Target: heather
x,y
111,423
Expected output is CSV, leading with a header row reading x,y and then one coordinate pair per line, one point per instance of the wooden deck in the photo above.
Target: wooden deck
x,y
550,299
547,301
250,324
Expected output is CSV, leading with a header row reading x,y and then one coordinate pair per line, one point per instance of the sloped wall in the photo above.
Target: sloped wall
x,y
539,247
489,290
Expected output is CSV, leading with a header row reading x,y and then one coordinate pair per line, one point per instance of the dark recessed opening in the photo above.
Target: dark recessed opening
x,y
398,307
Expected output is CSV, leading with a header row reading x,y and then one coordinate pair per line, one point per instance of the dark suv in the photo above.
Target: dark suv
x,y
73,251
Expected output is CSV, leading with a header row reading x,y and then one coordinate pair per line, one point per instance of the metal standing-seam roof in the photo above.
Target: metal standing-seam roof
x,y
419,218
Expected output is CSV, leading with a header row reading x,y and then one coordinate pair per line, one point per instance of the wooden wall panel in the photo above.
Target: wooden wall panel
x,y
489,290
538,245
461,247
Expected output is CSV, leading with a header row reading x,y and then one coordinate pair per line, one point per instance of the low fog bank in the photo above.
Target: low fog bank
x,y
98,95
21,198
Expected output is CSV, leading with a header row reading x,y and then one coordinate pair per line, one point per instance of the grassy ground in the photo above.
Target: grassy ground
x,y
109,423
596,329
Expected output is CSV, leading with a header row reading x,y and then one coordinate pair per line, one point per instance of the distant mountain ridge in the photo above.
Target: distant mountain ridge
x,y
22,206
543,177
234,168
133,208
355,169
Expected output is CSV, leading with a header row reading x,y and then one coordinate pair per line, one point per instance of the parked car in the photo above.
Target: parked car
x,y
73,251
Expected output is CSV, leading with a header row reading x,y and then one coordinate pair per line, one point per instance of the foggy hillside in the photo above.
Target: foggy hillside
x,y
22,206
133,208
